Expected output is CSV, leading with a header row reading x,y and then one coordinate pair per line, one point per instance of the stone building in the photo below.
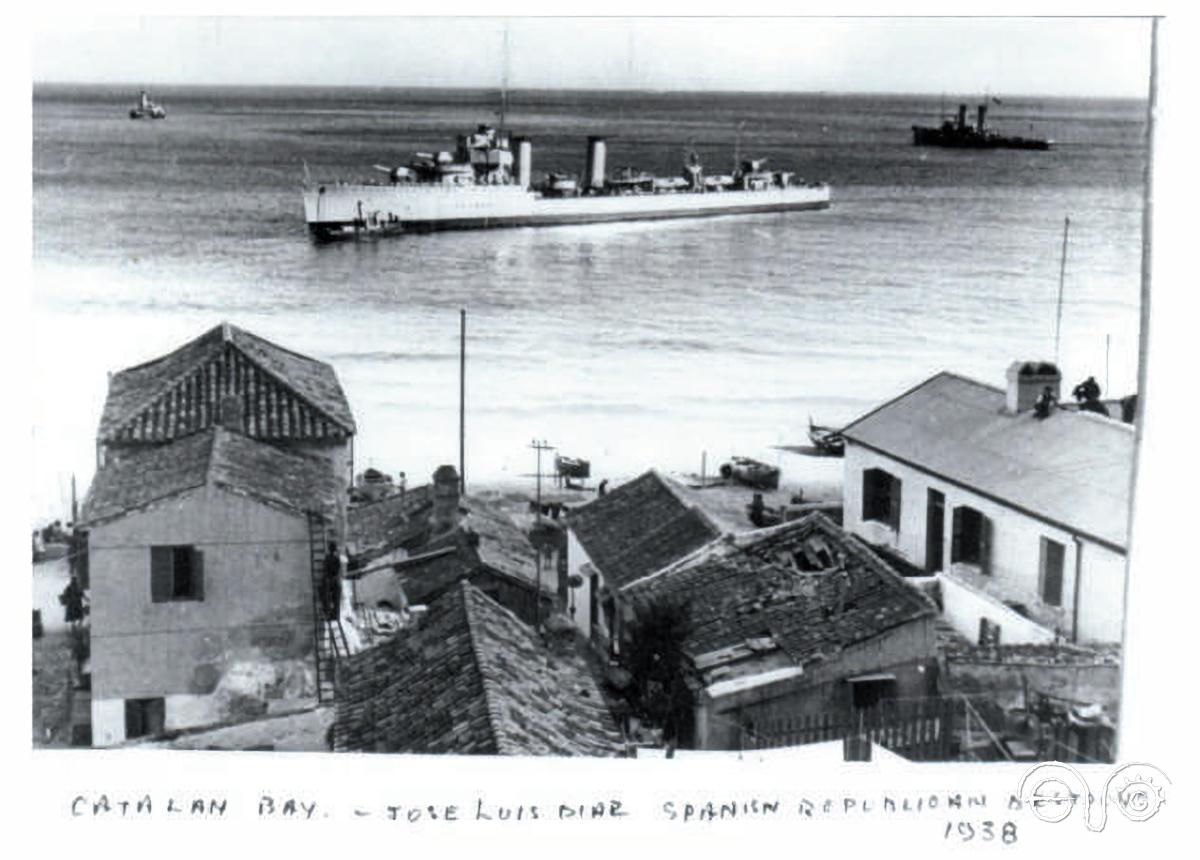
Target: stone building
x,y
201,581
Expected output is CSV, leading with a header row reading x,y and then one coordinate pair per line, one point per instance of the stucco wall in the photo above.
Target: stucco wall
x,y
577,557
907,651
964,606
257,607
1006,682
1015,549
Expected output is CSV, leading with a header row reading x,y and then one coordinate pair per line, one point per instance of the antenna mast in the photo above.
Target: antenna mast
x,y
1062,274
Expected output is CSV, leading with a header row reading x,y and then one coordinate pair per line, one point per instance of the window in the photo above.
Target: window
x,y
144,717
1051,576
881,497
972,539
176,573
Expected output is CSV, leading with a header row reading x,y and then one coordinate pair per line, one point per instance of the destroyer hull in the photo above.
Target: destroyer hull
x,y
349,210
955,140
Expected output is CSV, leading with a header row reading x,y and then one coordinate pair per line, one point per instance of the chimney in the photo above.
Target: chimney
x,y
231,413
962,117
594,171
1026,379
981,124
445,499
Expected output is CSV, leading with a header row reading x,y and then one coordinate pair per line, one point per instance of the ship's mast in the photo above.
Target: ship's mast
x,y
504,79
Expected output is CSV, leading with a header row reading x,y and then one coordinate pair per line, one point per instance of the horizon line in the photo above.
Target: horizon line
x,y
570,89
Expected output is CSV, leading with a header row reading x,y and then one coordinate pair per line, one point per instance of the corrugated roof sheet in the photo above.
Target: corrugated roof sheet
x,y
214,457
283,394
1072,468
758,587
638,528
472,678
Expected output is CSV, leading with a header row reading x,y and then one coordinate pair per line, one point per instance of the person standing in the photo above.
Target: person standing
x,y
332,582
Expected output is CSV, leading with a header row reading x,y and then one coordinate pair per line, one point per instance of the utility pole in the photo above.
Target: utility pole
x,y
539,446
462,402
1062,274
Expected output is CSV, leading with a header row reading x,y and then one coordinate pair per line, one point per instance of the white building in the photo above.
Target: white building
x,y
1024,520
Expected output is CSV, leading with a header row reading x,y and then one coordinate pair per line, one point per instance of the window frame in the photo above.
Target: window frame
x,y
1044,553
882,495
169,563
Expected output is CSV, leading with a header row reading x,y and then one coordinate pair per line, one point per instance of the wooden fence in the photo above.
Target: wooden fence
x,y
918,729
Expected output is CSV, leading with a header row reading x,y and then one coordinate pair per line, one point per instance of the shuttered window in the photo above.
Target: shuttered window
x,y
176,573
1052,555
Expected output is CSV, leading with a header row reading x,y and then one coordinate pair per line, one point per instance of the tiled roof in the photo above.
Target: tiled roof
x,y
779,588
284,395
213,457
638,528
472,678
485,537
1072,468
376,527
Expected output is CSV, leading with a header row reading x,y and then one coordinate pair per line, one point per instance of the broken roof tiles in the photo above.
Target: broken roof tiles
x,y
638,528
806,586
471,679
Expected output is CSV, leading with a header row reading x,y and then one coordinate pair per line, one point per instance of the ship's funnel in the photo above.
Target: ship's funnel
x,y
594,172
981,122
524,162
962,117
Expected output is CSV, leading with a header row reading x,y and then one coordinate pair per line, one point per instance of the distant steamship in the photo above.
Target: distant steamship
x,y
963,136
477,186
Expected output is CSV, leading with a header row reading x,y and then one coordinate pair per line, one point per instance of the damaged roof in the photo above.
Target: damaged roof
x,y
283,394
485,538
214,457
805,588
375,527
1073,469
471,679
638,528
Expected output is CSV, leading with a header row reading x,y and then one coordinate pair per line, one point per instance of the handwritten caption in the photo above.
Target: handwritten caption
x,y
964,817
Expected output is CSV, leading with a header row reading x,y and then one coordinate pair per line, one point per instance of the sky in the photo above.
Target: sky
x,y
1039,56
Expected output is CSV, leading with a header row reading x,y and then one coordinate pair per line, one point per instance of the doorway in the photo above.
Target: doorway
x,y
935,530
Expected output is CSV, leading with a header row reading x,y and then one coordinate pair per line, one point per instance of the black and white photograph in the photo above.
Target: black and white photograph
x,y
622,387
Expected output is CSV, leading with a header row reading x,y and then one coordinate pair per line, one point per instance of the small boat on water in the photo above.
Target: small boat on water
x,y
752,473
147,109
827,440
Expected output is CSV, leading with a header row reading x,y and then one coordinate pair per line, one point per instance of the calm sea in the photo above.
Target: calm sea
x,y
631,345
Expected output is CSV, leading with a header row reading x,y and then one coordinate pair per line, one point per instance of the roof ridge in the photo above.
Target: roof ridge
x,y
173,381
901,396
678,564
490,695
238,330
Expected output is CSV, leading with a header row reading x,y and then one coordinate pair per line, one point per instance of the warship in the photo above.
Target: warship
x,y
961,135
487,182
